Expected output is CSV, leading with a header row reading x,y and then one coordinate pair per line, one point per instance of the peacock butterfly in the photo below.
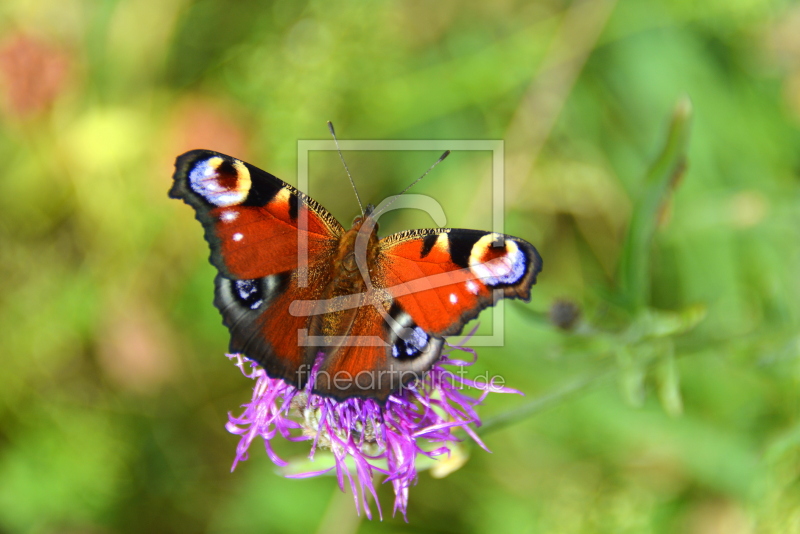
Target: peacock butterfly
x,y
301,294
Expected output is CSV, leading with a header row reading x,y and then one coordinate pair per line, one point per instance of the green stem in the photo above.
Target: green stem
x,y
538,404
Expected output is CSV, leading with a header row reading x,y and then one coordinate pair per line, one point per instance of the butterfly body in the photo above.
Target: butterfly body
x,y
359,315
334,322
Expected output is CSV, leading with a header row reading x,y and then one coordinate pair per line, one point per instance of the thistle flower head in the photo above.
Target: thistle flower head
x,y
365,437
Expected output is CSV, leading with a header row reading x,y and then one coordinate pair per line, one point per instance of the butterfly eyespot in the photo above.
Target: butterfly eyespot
x,y
497,266
220,181
411,343
249,293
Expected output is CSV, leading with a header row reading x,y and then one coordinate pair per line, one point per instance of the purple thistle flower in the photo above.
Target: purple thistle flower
x,y
365,437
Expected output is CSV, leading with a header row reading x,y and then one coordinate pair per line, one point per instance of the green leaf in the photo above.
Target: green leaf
x,y
663,175
660,324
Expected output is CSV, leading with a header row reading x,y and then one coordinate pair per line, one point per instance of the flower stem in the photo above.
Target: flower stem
x,y
544,401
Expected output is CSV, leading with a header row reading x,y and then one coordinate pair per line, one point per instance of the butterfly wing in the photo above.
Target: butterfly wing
x,y
253,222
444,277
427,285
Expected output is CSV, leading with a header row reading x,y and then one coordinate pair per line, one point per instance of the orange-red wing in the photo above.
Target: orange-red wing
x,y
252,220
425,283
257,314
368,363
444,277
436,281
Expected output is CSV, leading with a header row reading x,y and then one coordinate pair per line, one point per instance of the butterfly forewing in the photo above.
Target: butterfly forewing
x,y
251,218
444,277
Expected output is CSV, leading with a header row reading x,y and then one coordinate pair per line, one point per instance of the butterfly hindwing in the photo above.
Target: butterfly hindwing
x,y
384,351
257,314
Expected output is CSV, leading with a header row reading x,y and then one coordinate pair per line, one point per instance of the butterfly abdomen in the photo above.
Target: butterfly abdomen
x,y
355,259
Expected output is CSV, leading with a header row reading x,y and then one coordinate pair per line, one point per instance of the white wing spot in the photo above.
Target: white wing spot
x,y
453,298
472,287
237,236
229,215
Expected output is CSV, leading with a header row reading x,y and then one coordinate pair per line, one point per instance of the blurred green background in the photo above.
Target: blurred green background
x,y
683,367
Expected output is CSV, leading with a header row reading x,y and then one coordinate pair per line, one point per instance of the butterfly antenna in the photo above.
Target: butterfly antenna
x,y
412,184
358,198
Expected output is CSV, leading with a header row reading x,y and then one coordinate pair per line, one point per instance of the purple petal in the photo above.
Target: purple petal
x,y
361,430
